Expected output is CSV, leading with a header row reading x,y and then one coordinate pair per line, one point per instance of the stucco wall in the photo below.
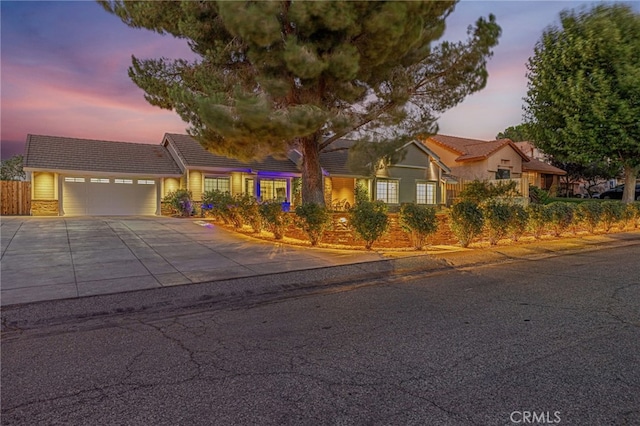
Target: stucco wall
x,y
505,158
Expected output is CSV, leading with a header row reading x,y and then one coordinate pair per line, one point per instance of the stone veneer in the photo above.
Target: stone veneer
x,y
44,208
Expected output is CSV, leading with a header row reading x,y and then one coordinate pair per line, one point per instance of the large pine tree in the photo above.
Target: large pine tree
x,y
275,75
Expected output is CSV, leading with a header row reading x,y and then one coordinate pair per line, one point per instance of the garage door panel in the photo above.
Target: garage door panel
x,y
110,196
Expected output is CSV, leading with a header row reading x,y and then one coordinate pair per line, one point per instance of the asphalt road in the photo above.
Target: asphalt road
x,y
553,341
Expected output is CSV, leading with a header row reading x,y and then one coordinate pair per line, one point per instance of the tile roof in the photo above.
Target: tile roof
x,y
534,165
474,149
194,156
90,155
334,161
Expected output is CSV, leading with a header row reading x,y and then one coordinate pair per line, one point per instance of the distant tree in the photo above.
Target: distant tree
x,y
12,169
271,76
591,174
583,90
517,133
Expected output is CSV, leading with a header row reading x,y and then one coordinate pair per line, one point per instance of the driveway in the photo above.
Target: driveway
x,y
59,258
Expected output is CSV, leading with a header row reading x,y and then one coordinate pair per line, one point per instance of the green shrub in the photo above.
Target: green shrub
x,y
539,219
632,214
369,220
250,211
538,195
180,202
361,193
496,220
612,213
589,214
466,221
314,220
275,219
561,216
224,207
480,191
518,221
419,221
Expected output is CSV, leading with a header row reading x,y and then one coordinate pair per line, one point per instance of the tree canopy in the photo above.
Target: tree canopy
x,y
582,103
12,169
518,133
272,76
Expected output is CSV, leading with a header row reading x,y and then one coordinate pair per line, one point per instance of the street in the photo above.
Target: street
x,y
554,340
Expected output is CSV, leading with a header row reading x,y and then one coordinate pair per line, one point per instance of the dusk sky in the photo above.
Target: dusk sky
x,y
64,71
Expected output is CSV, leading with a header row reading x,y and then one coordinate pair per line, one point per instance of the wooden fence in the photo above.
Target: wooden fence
x,y
454,189
15,197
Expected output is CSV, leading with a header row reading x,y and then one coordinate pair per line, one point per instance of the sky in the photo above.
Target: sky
x,y
63,71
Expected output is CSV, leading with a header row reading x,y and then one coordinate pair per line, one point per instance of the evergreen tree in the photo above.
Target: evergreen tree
x,y
12,169
583,91
275,75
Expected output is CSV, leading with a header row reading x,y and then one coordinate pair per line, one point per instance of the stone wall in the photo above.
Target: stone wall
x,y
44,208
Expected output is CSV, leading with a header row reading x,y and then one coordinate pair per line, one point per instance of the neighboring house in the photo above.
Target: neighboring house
x,y
472,159
539,171
542,175
91,177
418,178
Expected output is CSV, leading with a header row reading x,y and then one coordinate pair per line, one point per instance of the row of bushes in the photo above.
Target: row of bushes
x,y
501,219
495,217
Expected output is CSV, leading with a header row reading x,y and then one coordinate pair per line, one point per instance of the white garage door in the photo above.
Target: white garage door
x,y
99,196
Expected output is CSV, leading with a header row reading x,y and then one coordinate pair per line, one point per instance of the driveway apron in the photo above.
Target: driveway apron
x,y
58,258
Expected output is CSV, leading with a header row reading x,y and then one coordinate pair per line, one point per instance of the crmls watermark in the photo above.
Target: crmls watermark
x,y
535,417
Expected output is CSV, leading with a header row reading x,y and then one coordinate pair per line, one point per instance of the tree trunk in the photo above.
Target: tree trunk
x,y
630,174
312,182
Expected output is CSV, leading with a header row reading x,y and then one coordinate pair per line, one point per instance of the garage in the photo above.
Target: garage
x,y
87,177
99,196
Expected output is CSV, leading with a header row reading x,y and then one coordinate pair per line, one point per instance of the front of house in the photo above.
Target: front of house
x,y
76,177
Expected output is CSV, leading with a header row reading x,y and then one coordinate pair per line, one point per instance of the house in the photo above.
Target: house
x,y
269,179
539,172
419,177
472,159
92,177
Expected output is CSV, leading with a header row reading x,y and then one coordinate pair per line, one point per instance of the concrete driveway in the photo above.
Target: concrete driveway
x,y
59,258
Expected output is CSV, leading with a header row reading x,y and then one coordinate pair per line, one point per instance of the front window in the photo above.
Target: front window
x,y
425,193
273,189
503,174
216,184
387,191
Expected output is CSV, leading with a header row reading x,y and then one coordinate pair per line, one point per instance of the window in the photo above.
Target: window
x,y
273,189
249,187
99,180
387,191
125,181
425,193
503,174
73,179
146,182
216,184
